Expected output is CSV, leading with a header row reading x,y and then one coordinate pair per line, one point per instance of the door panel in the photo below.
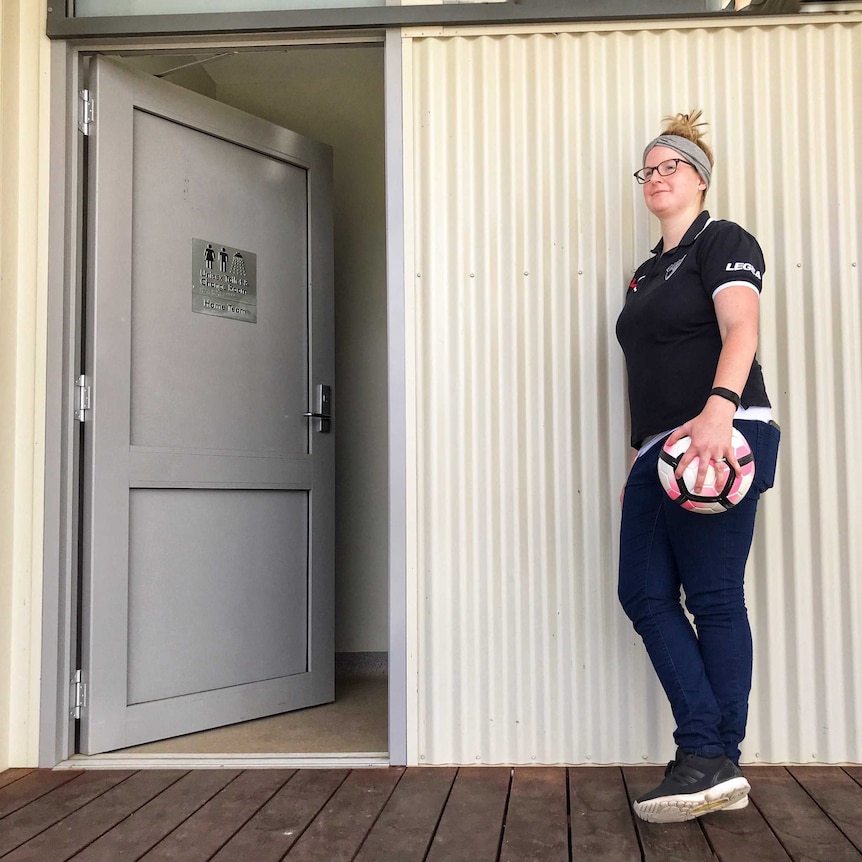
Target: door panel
x,y
191,369
217,589
207,565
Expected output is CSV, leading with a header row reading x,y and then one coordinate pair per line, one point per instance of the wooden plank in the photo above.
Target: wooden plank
x,y
537,817
28,787
277,826
44,812
801,826
602,822
337,832
855,772
472,823
837,794
743,834
406,825
151,822
10,775
78,830
664,842
214,823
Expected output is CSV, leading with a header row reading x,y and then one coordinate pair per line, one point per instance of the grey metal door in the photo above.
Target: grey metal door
x,y
208,515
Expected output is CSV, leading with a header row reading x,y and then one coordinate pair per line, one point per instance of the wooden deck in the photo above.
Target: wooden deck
x,y
409,815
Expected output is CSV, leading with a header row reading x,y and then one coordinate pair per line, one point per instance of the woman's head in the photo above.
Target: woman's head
x,y
677,158
683,134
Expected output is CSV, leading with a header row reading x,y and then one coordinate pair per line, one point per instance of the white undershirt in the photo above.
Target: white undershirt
x,y
758,414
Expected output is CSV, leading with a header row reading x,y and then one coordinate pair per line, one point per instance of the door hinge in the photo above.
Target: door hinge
x,y
83,397
87,112
79,694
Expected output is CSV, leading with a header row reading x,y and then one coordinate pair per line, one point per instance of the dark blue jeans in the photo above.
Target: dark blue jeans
x,y
706,669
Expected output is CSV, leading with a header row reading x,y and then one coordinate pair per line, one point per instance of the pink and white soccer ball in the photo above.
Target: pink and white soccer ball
x,y
714,497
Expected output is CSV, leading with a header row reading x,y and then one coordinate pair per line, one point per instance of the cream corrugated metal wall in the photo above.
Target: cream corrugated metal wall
x,y
24,108
524,225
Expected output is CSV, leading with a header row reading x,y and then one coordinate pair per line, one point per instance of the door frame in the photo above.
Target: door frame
x,y
65,334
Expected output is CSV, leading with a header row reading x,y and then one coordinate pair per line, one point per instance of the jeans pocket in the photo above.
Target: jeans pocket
x,y
766,455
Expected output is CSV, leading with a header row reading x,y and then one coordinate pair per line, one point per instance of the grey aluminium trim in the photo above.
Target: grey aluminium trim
x,y
397,398
59,586
62,26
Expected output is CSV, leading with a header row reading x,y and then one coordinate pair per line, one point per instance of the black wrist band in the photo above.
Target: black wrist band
x,y
729,394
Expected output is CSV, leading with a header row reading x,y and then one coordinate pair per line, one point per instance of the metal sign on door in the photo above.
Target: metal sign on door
x,y
224,281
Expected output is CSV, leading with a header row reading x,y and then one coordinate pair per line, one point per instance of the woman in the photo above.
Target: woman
x,y
689,333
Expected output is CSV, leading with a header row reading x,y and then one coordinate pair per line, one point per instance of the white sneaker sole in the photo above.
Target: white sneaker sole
x,y
732,794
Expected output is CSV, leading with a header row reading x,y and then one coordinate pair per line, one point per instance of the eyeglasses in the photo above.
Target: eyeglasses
x,y
665,169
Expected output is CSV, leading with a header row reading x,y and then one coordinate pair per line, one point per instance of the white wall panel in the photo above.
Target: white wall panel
x,y
524,225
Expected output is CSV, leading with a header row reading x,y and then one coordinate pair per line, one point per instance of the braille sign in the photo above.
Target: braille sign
x,y
224,281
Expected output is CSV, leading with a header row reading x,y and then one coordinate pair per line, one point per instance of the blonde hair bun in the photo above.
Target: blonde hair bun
x,y
689,126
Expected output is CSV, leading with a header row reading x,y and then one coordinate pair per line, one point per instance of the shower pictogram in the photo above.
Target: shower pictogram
x,y
237,266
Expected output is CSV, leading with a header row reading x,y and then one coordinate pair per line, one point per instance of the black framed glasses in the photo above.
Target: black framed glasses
x,y
665,169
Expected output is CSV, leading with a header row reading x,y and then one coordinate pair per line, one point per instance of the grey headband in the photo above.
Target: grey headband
x,y
686,148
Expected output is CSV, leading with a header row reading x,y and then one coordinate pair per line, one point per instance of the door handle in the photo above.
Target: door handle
x,y
323,414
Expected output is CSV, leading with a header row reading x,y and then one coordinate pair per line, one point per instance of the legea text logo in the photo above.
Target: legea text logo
x,y
735,267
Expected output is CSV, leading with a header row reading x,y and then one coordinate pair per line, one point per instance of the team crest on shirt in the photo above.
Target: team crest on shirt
x,y
674,267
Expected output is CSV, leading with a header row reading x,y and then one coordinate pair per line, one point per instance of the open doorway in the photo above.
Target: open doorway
x,y
333,94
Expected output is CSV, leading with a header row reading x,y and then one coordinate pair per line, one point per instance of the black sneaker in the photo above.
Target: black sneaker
x,y
694,786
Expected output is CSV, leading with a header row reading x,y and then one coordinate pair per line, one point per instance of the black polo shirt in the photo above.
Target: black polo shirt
x,y
668,329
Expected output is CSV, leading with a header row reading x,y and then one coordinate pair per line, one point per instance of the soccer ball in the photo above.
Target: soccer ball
x,y
713,498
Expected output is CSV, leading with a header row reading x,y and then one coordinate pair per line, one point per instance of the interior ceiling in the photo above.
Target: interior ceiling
x,y
231,64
